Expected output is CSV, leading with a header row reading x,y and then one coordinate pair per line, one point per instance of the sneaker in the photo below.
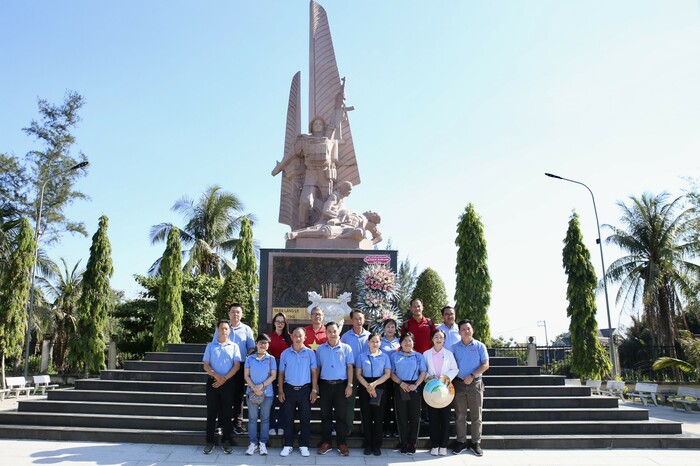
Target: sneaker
x,y
411,449
208,448
272,432
377,452
476,448
238,430
252,448
304,451
323,449
263,449
442,452
387,434
280,431
286,451
434,451
344,450
226,446
403,449
368,451
459,448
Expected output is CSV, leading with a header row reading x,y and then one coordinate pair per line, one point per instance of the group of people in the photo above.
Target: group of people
x,y
284,374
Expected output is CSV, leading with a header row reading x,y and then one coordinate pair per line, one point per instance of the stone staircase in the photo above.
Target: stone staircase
x,y
161,400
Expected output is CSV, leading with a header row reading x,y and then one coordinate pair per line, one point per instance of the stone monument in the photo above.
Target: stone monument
x,y
329,243
319,169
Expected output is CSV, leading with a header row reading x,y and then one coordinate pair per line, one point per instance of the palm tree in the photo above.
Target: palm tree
x,y
657,273
64,288
210,232
691,346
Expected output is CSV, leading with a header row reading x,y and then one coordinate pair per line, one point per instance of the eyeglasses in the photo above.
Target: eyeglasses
x,y
281,322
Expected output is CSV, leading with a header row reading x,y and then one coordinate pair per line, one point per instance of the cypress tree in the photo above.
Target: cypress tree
x,y
246,265
431,290
473,287
87,345
588,357
168,325
14,291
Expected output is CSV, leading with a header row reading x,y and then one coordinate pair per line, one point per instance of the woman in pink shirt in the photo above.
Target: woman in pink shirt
x,y
442,365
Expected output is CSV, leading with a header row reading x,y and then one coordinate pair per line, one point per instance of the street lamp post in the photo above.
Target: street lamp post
x,y
36,256
543,323
611,340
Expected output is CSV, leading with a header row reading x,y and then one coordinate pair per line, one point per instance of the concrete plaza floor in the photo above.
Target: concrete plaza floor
x,y
43,452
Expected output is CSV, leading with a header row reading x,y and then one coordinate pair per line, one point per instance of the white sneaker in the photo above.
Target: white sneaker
x,y
286,451
263,449
442,452
251,449
280,431
304,451
272,432
433,451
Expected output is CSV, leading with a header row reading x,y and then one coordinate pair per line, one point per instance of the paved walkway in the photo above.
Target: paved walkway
x,y
42,452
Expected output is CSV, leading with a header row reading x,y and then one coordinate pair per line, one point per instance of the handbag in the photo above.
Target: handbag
x,y
377,400
257,400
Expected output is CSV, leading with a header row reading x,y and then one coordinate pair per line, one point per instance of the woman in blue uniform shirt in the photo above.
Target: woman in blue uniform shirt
x,y
372,369
408,371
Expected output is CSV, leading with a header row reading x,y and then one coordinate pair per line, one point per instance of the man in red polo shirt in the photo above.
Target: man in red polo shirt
x,y
316,331
420,326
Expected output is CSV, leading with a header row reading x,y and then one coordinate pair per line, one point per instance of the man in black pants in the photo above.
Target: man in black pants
x,y
222,360
335,368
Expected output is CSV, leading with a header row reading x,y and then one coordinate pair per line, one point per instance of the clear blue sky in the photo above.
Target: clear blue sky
x,y
456,102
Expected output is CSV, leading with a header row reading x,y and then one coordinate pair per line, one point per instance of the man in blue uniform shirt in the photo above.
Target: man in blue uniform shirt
x,y
222,360
356,339
296,382
241,335
335,369
472,361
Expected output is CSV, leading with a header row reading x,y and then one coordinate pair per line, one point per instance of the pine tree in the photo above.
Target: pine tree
x,y
431,290
245,264
14,291
168,325
87,345
232,291
473,287
588,357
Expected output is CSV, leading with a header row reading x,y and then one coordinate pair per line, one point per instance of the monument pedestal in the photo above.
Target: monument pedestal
x,y
287,275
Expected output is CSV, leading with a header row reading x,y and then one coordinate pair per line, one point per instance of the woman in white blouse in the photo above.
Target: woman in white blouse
x,y
442,365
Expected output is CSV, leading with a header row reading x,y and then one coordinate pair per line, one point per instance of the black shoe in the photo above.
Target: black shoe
x,y
411,449
459,448
238,430
403,449
208,448
368,451
476,448
377,452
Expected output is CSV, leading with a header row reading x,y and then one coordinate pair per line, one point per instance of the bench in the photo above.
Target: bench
x,y
17,385
572,382
645,392
595,386
3,393
613,388
43,383
682,399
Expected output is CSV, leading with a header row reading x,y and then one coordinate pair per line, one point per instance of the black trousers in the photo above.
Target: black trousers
x,y
439,426
238,392
372,416
219,405
407,415
292,400
389,415
333,402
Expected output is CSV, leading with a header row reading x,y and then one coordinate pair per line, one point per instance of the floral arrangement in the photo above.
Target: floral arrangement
x,y
377,285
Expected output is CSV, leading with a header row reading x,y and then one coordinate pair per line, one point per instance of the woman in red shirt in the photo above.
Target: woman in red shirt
x,y
280,340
